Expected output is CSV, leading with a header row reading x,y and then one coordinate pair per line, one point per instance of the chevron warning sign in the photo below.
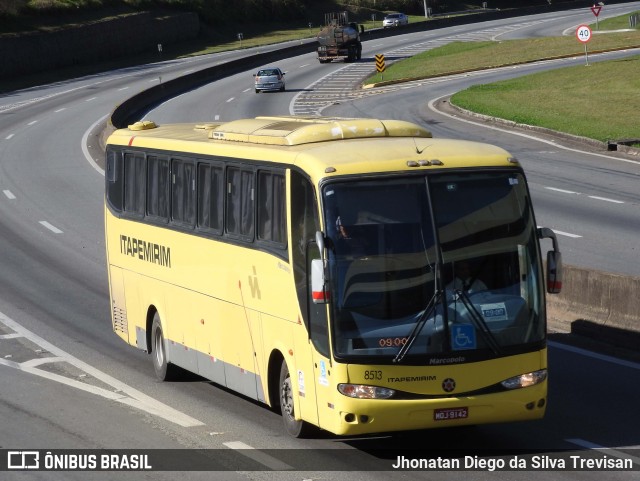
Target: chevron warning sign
x,y
380,63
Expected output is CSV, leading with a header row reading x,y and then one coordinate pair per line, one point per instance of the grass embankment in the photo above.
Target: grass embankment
x,y
598,101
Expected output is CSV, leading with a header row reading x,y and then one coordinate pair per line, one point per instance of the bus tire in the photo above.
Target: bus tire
x,y
296,428
164,370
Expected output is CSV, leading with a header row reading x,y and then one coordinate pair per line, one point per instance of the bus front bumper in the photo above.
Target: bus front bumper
x,y
360,416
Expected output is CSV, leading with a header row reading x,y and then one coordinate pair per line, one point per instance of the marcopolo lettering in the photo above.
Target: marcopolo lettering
x,y
146,251
448,360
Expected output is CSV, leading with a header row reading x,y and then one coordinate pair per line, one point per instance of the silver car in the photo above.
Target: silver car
x,y
395,20
270,78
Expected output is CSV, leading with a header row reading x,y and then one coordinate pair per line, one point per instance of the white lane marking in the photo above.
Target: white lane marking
x,y
32,122
567,234
123,88
217,117
304,65
292,104
258,456
595,355
9,194
247,90
8,108
231,99
606,199
114,396
555,189
9,137
89,100
51,227
612,452
122,393
83,144
60,110
10,336
527,136
39,361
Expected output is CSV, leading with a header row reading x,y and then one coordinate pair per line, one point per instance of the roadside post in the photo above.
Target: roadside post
x,y
596,11
160,52
240,36
583,34
380,67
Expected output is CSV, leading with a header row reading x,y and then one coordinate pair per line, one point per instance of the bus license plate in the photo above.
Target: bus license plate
x,y
450,413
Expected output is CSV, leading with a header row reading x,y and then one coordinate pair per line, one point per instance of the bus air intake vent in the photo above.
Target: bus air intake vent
x,y
120,320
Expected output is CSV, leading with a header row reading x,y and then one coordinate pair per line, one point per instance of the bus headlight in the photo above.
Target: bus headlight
x,y
525,380
360,391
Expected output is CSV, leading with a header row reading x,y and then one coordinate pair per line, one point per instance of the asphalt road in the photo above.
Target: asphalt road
x,y
69,382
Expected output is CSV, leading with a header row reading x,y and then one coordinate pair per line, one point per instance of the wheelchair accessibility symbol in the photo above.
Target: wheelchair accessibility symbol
x,y
463,336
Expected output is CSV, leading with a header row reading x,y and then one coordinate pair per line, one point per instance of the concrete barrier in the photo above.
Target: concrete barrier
x,y
599,304
35,52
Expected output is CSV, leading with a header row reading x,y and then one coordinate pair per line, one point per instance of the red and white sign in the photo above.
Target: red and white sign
x,y
596,10
583,33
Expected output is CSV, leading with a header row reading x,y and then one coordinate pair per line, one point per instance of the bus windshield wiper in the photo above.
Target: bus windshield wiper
x,y
422,320
479,321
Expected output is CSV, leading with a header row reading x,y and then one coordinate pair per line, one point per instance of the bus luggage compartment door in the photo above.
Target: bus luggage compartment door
x,y
118,303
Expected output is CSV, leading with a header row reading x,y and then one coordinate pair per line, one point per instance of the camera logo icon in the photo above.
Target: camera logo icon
x,y
23,460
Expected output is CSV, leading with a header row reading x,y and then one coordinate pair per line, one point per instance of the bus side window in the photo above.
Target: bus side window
x,y
272,224
240,203
183,191
115,179
158,187
210,197
134,183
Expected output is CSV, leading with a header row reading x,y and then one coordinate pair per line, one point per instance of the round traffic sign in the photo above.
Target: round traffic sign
x,y
583,33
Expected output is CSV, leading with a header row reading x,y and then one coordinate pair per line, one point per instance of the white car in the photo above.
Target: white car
x,y
270,78
395,20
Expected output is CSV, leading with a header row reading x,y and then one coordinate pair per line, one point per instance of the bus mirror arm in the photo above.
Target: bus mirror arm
x,y
554,262
320,243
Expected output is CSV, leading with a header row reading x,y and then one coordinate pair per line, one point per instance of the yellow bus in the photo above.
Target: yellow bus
x,y
355,274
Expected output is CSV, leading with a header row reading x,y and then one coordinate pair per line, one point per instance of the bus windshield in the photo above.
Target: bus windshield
x,y
455,254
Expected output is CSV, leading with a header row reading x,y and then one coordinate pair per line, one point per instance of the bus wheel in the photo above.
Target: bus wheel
x,y
297,429
164,370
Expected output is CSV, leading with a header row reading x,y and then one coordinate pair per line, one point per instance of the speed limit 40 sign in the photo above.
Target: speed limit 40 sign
x,y
583,33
